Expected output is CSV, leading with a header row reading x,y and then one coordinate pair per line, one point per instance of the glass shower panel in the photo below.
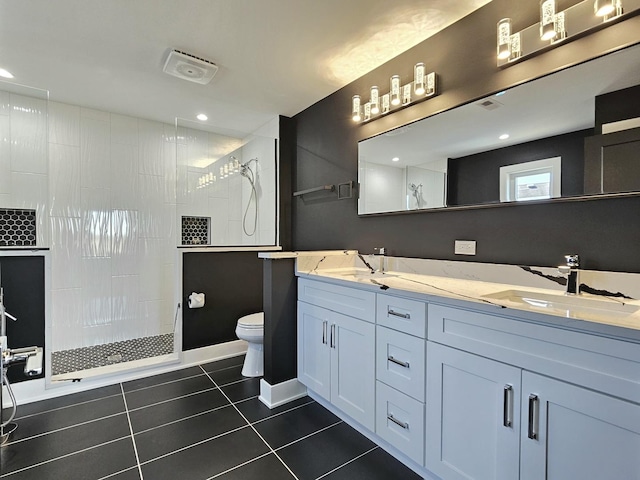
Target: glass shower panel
x,y
226,188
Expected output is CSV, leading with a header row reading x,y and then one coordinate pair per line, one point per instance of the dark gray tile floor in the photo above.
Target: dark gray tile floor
x,y
197,423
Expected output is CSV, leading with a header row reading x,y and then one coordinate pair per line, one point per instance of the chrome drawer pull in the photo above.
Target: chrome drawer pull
x,y
401,315
324,332
398,422
398,362
534,413
333,336
507,407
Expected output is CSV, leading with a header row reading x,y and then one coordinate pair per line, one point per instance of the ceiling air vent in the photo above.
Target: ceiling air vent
x,y
489,104
189,67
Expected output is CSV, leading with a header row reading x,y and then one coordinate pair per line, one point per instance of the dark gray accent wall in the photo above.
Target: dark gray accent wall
x,y
280,329
475,179
24,298
464,57
615,106
232,284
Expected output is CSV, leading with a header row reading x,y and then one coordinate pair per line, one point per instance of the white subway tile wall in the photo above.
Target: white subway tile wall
x,y
109,198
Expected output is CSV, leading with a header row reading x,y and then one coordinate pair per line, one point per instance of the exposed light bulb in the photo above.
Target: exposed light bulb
x,y
395,90
375,100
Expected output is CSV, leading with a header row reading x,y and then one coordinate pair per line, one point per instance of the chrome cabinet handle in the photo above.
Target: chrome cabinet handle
x,y
507,407
398,422
333,336
534,413
398,362
396,314
324,332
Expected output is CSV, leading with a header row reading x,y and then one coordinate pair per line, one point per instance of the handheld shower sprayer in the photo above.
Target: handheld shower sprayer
x,y
247,172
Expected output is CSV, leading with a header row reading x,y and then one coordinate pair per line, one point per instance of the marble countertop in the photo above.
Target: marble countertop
x,y
609,299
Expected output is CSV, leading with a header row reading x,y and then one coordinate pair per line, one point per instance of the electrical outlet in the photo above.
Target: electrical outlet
x,y
465,247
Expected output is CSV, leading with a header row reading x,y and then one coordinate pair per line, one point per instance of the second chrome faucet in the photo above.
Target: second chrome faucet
x,y
570,269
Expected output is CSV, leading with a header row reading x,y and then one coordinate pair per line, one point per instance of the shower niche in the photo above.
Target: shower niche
x,y
230,180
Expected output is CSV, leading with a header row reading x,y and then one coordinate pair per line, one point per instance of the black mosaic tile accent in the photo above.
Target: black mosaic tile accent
x,y
195,230
17,228
77,359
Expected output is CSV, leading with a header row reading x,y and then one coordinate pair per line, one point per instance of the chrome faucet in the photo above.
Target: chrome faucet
x,y
572,273
380,252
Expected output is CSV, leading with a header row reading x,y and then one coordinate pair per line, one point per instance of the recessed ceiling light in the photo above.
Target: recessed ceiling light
x,y
5,73
202,117
395,159
499,94
504,136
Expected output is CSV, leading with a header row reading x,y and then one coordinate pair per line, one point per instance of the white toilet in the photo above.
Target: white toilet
x,y
251,329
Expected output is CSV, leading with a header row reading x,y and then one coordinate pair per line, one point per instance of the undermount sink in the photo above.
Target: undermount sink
x,y
365,275
566,305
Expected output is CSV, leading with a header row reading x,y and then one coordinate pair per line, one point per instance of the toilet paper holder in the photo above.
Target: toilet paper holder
x,y
196,300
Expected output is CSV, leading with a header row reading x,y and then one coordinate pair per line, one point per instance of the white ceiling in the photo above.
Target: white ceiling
x,y
276,57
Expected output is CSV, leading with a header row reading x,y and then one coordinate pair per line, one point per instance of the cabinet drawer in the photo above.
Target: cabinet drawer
x,y
402,314
600,363
400,421
348,301
400,361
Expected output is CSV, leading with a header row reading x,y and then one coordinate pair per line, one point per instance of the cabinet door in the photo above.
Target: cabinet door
x,y
473,416
578,433
353,368
314,355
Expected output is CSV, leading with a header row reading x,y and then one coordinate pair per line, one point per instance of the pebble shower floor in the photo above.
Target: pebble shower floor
x,y
67,361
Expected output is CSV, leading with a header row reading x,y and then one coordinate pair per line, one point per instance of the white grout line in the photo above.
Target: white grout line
x,y
173,399
64,428
283,412
66,406
161,384
183,419
253,428
62,456
310,435
347,463
133,438
192,445
240,465
111,475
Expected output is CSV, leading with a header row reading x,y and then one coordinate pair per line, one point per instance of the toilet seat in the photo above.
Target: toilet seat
x,y
253,321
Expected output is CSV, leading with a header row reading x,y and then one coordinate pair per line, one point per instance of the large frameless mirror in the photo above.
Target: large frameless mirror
x,y
469,155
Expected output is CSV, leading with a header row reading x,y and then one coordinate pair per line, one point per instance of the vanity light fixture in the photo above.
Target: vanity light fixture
x,y
395,90
5,73
202,117
547,19
603,8
422,86
504,38
557,27
375,100
355,108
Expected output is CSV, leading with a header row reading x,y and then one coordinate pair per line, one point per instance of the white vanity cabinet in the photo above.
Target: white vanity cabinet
x,y
495,418
336,352
572,432
400,371
473,416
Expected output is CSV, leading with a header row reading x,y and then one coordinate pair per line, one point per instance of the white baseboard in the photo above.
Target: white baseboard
x,y
280,393
213,352
36,390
